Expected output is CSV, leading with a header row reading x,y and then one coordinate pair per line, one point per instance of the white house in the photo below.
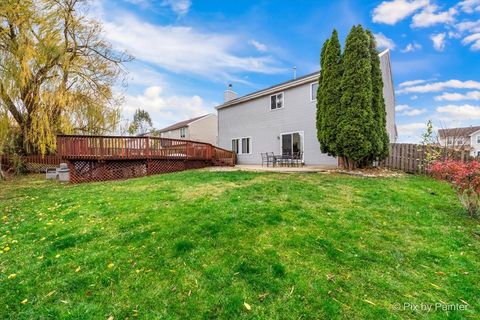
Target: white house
x,y
203,129
282,119
466,138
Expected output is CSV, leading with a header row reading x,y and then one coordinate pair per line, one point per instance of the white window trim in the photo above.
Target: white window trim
x,y
303,142
478,136
240,144
311,92
184,130
270,101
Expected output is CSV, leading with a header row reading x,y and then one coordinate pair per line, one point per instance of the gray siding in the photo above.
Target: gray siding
x,y
255,119
388,95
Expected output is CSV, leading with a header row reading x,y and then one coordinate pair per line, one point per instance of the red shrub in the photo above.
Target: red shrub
x,y
465,178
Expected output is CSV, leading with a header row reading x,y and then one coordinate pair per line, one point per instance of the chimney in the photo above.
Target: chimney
x,y
229,94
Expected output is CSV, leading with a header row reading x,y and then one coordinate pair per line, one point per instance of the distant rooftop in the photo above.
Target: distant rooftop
x,y
181,124
458,132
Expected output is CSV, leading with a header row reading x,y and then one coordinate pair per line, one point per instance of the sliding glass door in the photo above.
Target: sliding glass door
x,y
292,143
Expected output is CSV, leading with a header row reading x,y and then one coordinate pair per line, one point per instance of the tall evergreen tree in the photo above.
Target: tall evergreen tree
x,y
320,107
331,91
355,122
380,136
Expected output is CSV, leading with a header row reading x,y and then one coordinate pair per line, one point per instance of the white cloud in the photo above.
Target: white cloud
x,y
391,12
184,49
180,7
258,45
406,110
439,86
383,42
438,41
411,131
414,112
402,107
470,26
469,6
413,97
165,110
429,17
411,47
473,40
411,83
454,96
455,112
454,35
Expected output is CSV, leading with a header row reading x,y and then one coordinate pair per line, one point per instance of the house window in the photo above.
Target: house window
x,y
182,132
276,101
246,145
478,138
478,153
449,141
235,143
242,145
313,91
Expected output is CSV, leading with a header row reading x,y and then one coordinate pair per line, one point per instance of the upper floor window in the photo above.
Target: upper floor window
x,y
478,138
450,140
313,91
277,101
183,132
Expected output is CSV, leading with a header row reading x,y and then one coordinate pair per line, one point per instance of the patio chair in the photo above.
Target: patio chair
x,y
264,158
297,158
271,159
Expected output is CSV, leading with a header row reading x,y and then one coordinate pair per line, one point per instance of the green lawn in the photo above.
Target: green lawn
x,y
231,245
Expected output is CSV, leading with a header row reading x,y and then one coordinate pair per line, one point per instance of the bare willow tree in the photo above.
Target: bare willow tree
x,y
56,71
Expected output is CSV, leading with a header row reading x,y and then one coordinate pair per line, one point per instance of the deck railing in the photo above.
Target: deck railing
x,y
121,147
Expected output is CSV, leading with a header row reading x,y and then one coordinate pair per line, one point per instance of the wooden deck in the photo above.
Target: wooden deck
x,y
98,158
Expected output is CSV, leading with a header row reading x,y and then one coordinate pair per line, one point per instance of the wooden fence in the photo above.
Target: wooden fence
x,y
31,163
411,157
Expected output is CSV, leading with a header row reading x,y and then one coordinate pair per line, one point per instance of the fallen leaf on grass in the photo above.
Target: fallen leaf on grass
x,y
368,301
435,286
78,269
110,318
262,296
247,306
24,301
12,276
50,293
110,265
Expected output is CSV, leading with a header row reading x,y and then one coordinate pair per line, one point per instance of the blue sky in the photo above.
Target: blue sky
x,y
187,51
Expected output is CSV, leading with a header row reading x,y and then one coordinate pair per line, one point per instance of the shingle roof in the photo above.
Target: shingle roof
x,y
181,124
457,132
289,83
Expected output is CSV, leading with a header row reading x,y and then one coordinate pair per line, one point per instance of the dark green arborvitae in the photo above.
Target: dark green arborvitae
x,y
356,123
328,102
320,107
380,138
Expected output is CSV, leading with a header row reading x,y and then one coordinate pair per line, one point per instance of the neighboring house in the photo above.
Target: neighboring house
x,y
466,137
203,129
282,119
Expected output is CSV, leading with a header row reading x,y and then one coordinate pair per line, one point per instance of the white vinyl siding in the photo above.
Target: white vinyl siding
x,y
277,101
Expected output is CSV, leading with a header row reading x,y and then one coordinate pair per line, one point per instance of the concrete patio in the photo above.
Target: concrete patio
x,y
260,168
